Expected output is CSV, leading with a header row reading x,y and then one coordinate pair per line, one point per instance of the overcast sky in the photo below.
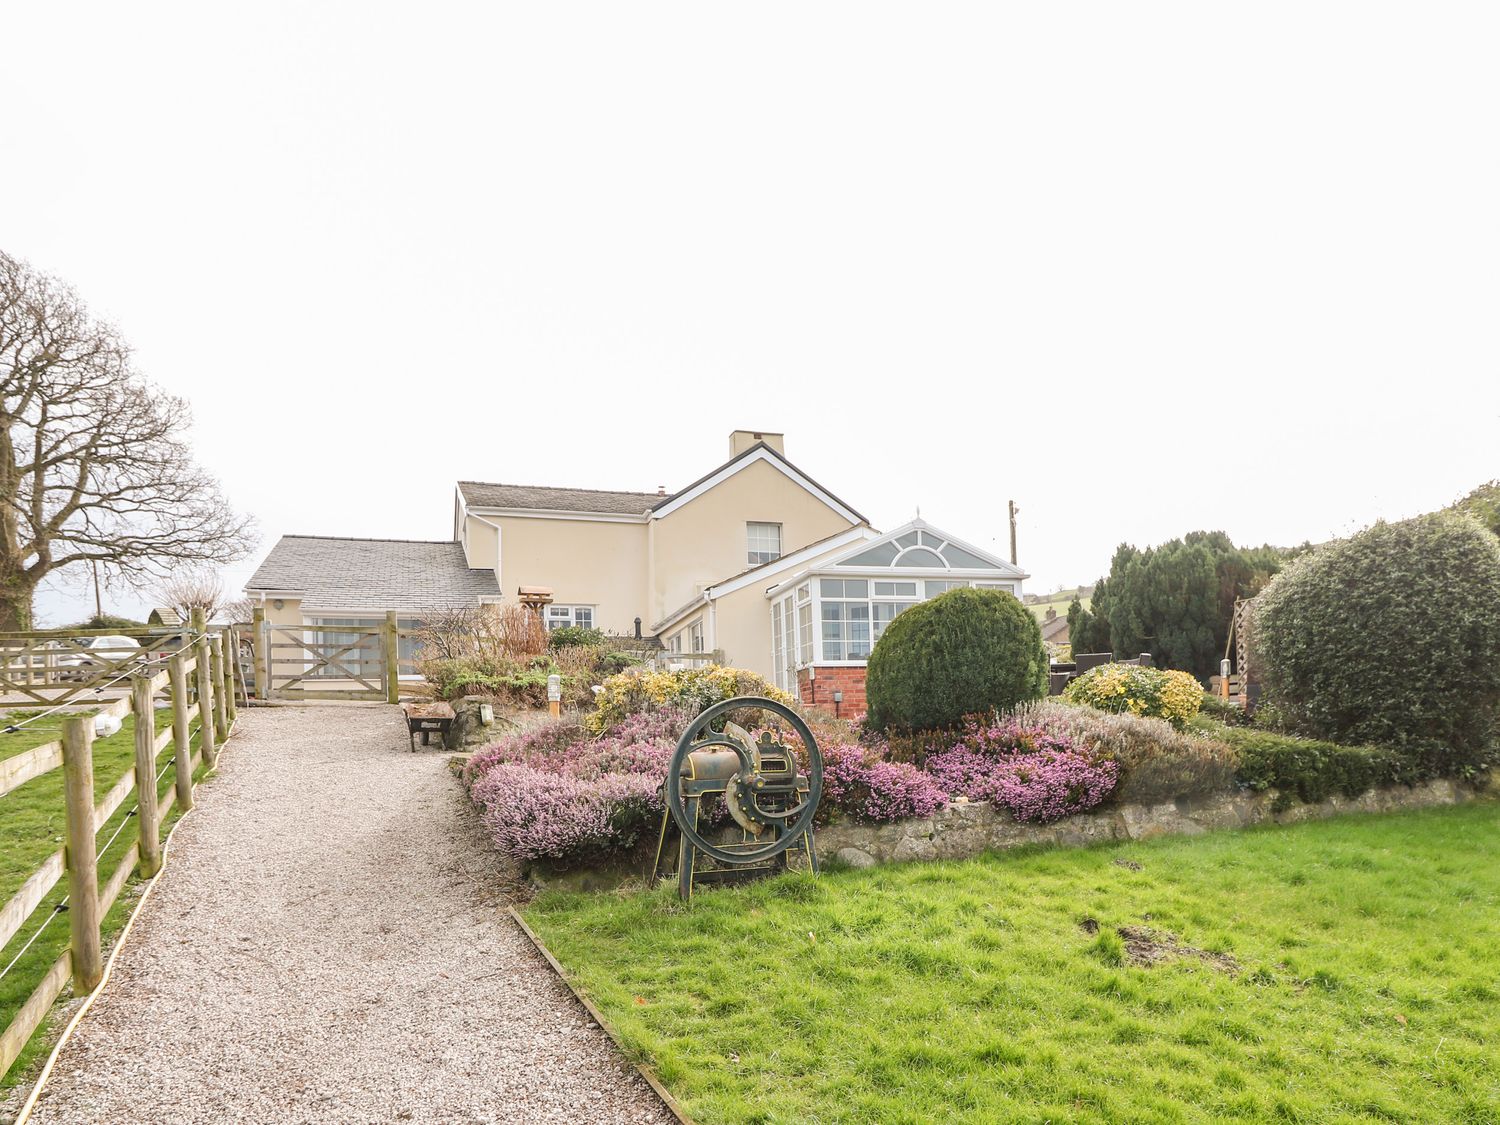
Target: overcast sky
x,y
1144,268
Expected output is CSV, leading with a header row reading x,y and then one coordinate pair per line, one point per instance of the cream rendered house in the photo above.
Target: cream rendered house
x,y
755,564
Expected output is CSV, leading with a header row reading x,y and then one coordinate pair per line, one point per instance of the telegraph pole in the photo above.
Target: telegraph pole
x,y
1013,513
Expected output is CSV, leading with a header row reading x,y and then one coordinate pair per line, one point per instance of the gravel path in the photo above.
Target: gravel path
x,y
326,945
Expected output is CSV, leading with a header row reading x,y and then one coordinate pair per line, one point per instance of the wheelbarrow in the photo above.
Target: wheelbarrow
x,y
424,718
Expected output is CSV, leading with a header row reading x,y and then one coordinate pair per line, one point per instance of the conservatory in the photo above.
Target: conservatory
x,y
830,615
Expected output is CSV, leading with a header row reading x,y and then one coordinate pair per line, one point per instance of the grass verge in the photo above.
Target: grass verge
x,y
1344,970
32,827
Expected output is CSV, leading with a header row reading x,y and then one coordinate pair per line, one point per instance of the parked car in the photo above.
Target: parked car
x,y
77,663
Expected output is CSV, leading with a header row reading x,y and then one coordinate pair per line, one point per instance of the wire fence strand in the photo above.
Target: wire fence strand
x,y
62,905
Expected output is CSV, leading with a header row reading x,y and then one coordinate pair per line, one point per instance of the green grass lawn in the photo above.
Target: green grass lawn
x,y
1364,983
32,827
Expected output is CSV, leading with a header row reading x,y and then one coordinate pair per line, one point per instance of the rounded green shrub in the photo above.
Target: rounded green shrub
x,y
1391,637
962,653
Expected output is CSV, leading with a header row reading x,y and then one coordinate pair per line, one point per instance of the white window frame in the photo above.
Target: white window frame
x,y
755,535
872,576
695,636
570,616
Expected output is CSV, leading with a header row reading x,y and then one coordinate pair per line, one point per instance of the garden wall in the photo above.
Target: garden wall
x,y
967,828
815,688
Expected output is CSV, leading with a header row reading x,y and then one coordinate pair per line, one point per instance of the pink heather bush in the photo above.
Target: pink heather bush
x,y
553,792
533,814
896,790
1050,785
963,772
843,772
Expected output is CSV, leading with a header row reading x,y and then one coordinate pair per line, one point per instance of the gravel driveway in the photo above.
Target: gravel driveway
x,y
326,945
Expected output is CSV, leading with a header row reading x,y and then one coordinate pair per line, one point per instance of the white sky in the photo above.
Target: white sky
x,y
1144,268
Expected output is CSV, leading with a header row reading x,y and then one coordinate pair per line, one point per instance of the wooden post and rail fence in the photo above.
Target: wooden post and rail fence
x,y
201,684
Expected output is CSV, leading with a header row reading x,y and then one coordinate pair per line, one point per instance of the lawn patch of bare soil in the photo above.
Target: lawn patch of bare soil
x,y
1145,946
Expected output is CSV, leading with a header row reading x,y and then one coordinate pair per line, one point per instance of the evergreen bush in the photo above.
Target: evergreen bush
x,y
965,652
1391,637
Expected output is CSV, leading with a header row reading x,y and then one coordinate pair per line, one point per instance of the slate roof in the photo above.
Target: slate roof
x,y
372,574
479,494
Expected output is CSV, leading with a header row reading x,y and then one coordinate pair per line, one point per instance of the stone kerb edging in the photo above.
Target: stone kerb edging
x,y
967,828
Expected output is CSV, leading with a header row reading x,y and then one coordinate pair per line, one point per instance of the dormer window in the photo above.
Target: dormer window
x,y
764,542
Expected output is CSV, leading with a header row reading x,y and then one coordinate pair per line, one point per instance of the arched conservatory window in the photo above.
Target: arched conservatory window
x,y
919,549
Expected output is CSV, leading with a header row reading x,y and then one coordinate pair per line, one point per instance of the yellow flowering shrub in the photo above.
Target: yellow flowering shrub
x,y
693,689
1130,689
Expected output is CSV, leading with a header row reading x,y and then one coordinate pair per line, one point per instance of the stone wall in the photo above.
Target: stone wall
x,y
967,828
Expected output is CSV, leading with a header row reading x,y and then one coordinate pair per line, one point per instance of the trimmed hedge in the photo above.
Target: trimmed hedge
x,y
1391,637
1310,769
966,652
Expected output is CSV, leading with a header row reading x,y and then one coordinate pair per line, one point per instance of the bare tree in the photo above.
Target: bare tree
x,y
94,462
237,611
188,590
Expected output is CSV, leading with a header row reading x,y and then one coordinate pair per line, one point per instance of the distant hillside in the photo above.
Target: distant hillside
x,y
1059,600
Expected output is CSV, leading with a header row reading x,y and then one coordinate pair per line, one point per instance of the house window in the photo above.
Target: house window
x,y
936,586
695,636
804,626
675,644
765,542
561,615
855,611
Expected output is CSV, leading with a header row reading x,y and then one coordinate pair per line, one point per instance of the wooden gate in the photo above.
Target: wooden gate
x,y
326,661
46,667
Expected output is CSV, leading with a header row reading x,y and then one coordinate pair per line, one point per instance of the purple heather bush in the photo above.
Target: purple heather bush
x,y
896,790
558,793
1052,784
963,772
554,792
534,814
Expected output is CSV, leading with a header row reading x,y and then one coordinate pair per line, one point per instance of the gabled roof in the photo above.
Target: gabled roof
x,y
916,548
760,451
479,494
539,498
373,575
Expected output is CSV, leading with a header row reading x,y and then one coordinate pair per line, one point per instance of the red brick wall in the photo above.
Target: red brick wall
x,y
817,690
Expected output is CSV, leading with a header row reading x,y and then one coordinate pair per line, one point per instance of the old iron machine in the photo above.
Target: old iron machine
x,y
768,798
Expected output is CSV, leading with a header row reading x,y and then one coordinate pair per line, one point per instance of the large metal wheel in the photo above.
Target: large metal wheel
x,y
792,823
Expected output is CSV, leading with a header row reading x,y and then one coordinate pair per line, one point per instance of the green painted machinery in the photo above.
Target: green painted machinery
x,y
770,801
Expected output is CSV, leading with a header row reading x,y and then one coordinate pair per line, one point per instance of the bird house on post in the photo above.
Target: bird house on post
x,y
554,695
536,599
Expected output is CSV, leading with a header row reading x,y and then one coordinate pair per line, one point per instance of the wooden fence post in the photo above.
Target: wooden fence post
x,y
181,737
392,659
145,774
83,859
206,695
216,678
260,650
231,658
